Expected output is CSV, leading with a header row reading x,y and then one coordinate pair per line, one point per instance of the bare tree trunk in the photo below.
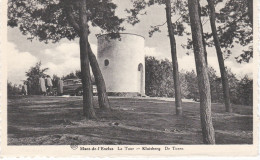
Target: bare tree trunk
x,y
203,39
250,10
177,85
101,86
202,74
88,108
223,72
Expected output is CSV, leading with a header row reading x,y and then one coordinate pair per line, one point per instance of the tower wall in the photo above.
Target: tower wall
x,y
122,62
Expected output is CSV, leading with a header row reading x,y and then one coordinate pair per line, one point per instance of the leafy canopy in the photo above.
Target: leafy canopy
x,y
35,72
33,75
49,20
236,27
178,8
233,18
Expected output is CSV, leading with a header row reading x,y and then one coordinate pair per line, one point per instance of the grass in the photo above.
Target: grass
x,y
39,120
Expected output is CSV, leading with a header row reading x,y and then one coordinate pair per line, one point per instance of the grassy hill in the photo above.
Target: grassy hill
x,y
35,120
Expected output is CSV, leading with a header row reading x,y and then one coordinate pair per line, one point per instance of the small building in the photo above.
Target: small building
x,y
122,62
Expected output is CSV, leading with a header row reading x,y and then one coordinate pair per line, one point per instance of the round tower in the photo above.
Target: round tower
x,y
122,62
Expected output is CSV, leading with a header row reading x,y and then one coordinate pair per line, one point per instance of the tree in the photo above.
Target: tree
x,y
192,83
236,19
233,85
250,11
70,76
202,32
56,19
234,28
202,74
177,86
77,74
213,85
99,81
13,89
245,91
221,62
173,29
159,80
33,75
83,30
111,23
154,77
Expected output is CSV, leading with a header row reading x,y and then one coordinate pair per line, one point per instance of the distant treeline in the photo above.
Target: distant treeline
x,y
159,83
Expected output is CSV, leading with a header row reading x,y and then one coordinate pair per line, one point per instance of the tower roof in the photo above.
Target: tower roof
x,y
123,33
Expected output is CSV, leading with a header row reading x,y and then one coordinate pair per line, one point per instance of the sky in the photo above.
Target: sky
x,y
63,57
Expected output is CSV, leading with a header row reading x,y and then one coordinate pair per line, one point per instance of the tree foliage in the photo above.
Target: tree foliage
x,y
236,27
159,78
178,8
159,83
75,75
192,83
13,89
71,75
245,91
56,19
234,21
33,75
49,20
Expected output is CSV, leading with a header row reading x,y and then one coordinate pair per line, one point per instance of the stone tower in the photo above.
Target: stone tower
x,y
122,62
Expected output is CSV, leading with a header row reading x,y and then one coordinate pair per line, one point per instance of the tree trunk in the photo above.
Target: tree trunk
x,y
222,68
203,39
88,108
250,4
101,86
177,85
202,74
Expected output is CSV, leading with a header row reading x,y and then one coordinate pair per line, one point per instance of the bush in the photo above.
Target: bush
x,y
13,89
159,83
159,78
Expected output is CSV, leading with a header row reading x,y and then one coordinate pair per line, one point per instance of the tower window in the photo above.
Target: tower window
x,y
106,62
140,67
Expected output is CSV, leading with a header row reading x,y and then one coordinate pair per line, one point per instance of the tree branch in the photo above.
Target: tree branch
x,y
178,19
230,24
71,18
205,22
160,24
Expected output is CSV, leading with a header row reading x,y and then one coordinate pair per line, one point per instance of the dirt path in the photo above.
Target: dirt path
x,y
58,120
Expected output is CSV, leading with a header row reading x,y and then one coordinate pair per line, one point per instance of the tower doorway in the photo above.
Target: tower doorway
x,y
140,78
